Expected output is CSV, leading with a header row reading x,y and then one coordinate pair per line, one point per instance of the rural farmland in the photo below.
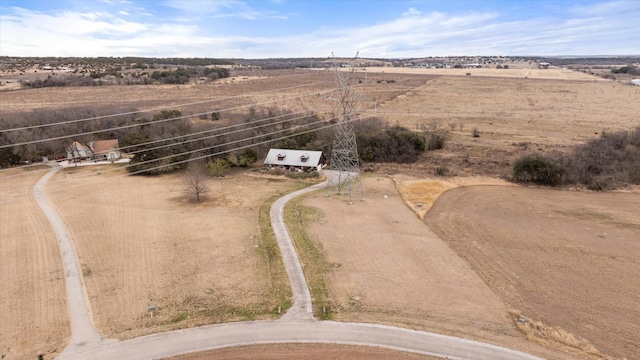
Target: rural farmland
x,y
437,245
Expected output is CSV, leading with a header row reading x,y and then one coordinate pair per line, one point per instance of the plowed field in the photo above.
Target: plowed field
x,y
565,258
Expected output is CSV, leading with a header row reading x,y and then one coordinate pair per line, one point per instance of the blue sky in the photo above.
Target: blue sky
x,y
297,28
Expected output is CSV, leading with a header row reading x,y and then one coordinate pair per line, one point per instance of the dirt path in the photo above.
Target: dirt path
x,y
301,308
83,334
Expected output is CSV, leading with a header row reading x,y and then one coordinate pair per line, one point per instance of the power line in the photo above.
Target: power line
x,y
156,109
198,157
212,136
155,121
192,134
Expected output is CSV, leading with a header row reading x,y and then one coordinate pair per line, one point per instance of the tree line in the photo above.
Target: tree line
x,y
164,141
114,76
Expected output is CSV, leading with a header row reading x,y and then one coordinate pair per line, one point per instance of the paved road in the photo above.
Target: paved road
x,y
292,331
297,325
83,333
301,308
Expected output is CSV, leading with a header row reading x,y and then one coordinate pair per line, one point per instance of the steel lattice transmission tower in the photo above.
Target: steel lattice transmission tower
x,y
345,165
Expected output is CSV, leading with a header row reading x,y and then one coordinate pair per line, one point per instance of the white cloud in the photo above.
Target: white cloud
x,y
121,32
220,8
411,12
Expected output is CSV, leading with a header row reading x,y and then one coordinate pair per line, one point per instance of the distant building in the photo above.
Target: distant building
x,y
105,149
77,150
97,150
304,160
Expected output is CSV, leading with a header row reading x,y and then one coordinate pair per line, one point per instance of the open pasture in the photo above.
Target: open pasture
x,y
547,112
517,71
33,301
141,243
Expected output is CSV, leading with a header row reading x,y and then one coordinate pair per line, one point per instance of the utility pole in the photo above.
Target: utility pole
x,y
345,164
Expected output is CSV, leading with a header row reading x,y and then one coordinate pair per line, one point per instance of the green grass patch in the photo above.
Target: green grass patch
x,y
311,254
179,317
86,270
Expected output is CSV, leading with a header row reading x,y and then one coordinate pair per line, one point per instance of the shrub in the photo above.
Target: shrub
x,y
247,157
538,169
395,144
436,140
442,171
611,159
475,132
302,175
218,167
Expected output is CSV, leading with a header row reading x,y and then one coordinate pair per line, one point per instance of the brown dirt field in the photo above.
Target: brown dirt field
x,y
521,72
389,267
33,307
564,258
140,243
303,351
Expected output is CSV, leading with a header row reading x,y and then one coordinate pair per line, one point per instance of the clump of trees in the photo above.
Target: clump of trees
x,y
377,142
221,165
538,169
629,69
116,76
62,81
184,75
606,162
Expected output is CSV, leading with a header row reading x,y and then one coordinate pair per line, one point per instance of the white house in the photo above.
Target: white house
x,y
296,159
78,151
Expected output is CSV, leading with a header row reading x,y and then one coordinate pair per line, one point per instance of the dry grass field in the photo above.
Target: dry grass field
x,y
141,244
513,116
33,305
521,72
506,111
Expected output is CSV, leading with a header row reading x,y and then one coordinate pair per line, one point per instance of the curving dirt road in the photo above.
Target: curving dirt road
x,y
297,326
82,330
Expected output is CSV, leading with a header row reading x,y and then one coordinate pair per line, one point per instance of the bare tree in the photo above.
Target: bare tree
x,y
196,179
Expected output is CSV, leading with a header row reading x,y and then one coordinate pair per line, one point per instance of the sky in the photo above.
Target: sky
x,y
318,28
